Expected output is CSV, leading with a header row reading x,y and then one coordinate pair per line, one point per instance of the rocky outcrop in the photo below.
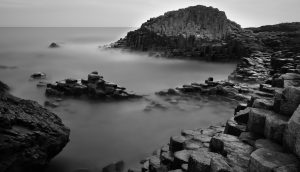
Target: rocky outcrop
x,y
95,87
30,135
196,32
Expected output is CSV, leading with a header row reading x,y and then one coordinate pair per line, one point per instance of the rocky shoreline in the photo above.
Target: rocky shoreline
x,y
264,132
30,134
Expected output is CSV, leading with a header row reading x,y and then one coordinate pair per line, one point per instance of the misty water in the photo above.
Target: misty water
x,y
106,132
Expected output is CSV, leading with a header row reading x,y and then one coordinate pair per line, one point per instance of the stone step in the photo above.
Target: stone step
x,y
267,123
266,160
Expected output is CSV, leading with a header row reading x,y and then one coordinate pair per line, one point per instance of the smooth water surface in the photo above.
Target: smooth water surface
x,y
105,132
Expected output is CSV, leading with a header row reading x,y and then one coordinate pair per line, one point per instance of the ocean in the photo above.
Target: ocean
x,y
104,132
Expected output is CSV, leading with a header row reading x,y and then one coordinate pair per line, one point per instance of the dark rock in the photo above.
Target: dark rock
x,y
38,75
290,100
30,135
177,143
242,116
51,104
263,104
233,128
53,45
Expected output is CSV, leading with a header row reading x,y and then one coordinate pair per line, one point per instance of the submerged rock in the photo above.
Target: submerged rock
x,y
38,75
54,45
30,135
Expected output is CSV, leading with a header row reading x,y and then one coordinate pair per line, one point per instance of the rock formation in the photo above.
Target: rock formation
x,y
197,32
30,135
95,87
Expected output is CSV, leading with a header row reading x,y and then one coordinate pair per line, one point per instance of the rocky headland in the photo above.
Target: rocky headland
x,y
30,135
196,32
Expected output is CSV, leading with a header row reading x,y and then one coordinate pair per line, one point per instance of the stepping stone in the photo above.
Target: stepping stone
x,y
275,126
181,157
177,143
265,160
242,116
233,128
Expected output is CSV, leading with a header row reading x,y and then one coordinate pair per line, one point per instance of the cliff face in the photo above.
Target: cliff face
x,y
197,32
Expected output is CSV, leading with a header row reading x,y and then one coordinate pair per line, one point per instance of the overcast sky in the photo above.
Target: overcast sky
x,y
133,13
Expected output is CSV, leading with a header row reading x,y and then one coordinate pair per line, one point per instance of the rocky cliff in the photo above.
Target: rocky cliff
x,y
30,135
197,32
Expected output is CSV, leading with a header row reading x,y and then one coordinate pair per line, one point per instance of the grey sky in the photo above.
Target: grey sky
x,y
135,12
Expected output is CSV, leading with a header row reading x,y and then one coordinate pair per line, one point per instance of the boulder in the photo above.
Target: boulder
x,y
266,160
290,100
292,133
291,79
30,135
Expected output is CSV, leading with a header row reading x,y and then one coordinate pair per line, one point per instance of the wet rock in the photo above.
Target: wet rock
x,y
177,143
290,100
180,158
94,88
38,75
114,167
30,134
233,128
242,116
201,161
268,144
53,45
292,133
265,160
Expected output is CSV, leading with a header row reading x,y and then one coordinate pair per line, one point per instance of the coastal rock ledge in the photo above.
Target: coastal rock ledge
x,y
30,135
